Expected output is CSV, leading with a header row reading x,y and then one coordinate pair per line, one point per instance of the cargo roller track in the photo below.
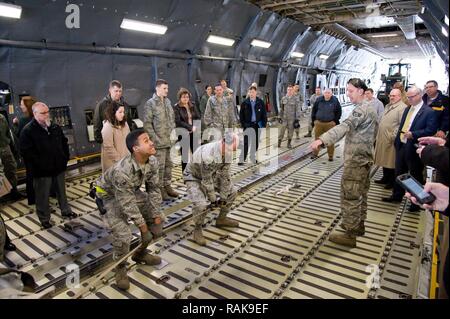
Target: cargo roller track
x,y
281,249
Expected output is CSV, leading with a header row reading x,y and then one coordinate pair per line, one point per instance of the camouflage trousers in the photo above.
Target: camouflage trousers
x,y
198,195
117,221
165,166
355,185
2,239
10,165
290,129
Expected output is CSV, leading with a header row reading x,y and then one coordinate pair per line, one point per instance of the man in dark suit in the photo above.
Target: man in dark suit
x,y
252,116
418,120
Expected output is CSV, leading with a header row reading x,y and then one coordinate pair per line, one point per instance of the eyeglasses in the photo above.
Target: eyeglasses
x,y
410,97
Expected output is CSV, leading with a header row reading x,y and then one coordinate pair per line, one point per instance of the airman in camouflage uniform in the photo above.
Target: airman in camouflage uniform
x,y
120,190
299,96
360,129
9,162
229,96
159,121
290,111
208,172
219,113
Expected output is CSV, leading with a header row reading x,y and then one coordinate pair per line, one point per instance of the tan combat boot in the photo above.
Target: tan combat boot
x,y
344,239
164,194
170,191
198,236
279,143
289,144
122,280
224,221
146,258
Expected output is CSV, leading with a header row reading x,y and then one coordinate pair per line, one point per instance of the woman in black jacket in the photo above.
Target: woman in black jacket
x,y
185,114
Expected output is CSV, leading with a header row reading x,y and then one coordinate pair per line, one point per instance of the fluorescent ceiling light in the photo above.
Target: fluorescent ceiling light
x,y
259,43
324,56
444,32
297,55
220,40
143,26
10,10
384,35
423,10
446,20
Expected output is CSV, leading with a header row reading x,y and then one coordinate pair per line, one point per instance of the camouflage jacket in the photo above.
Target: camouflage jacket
x,y
124,178
5,137
360,128
290,108
219,114
159,121
301,100
207,167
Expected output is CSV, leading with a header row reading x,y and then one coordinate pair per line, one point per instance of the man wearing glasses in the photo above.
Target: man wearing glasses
x,y
417,121
44,146
439,103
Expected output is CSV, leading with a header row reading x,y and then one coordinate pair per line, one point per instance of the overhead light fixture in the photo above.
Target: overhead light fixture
x,y
446,20
297,55
396,46
444,31
423,10
220,40
323,56
389,35
135,25
261,44
10,10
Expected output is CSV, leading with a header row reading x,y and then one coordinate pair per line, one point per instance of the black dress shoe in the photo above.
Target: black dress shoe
x,y
10,247
380,181
240,164
330,160
47,225
391,199
70,216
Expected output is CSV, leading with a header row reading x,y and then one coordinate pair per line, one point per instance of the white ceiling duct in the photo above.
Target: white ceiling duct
x,y
407,24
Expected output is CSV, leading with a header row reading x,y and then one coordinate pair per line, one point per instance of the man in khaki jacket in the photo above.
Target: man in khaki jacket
x,y
387,131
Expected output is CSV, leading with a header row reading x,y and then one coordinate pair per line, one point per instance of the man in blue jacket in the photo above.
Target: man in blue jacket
x,y
418,120
439,103
252,116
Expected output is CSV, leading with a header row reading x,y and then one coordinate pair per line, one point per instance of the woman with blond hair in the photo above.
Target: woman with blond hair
x,y
114,132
